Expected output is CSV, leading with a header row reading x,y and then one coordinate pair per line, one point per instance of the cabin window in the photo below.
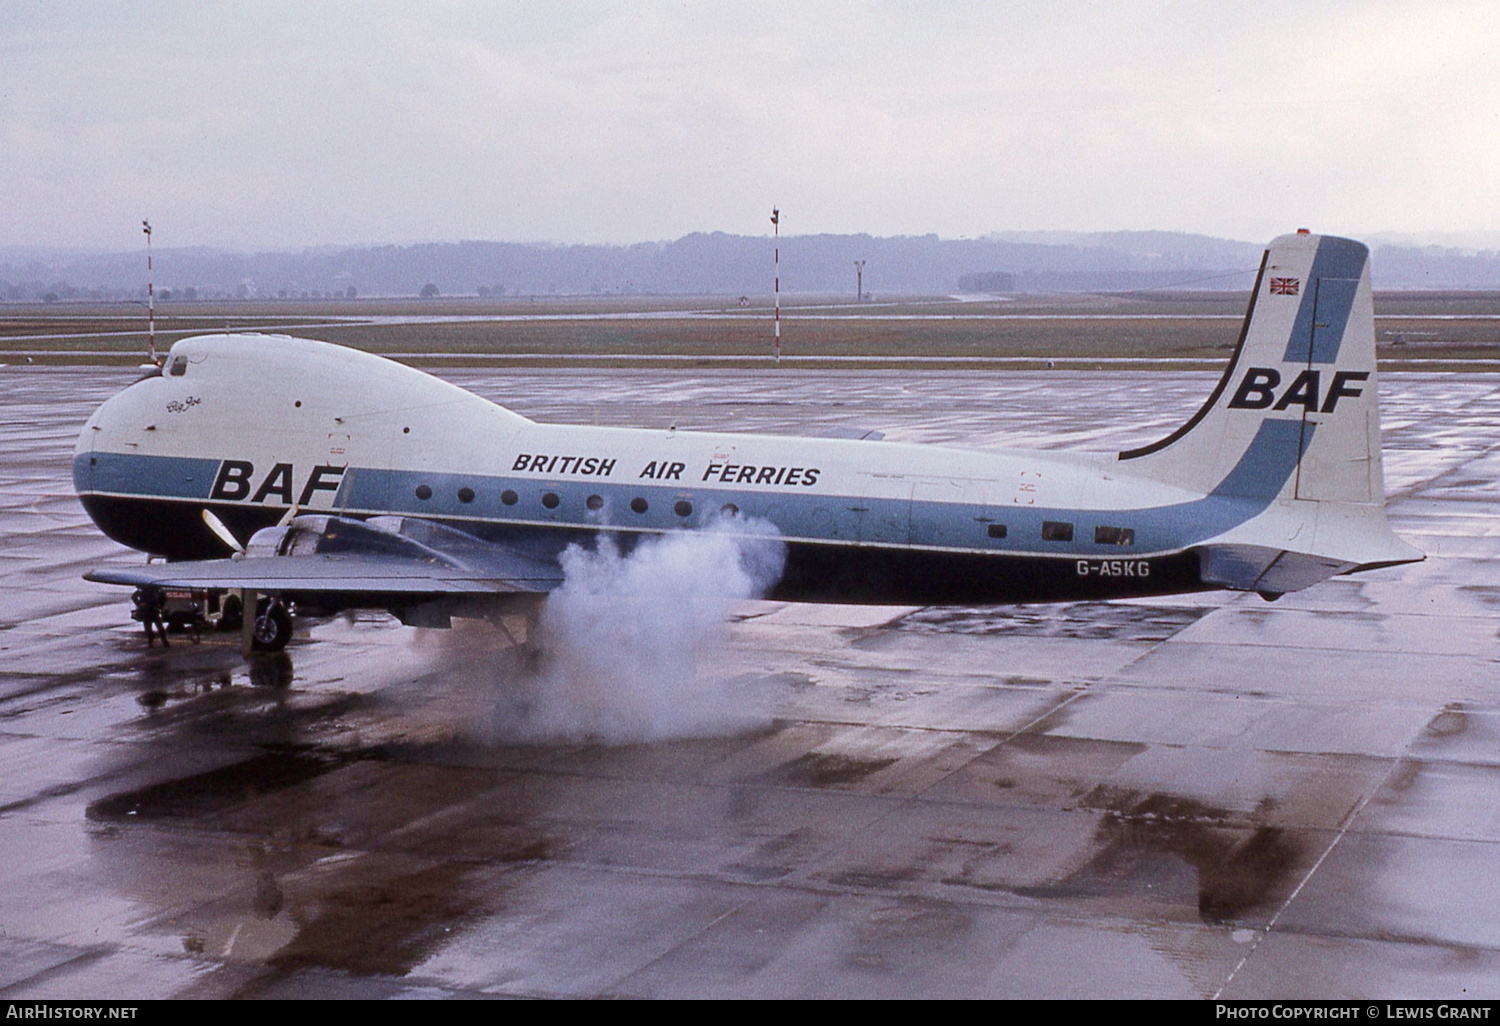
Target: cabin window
x,y
551,500
683,508
509,497
179,366
466,495
1057,530
995,530
594,502
729,509
1114,536
424,493
639,505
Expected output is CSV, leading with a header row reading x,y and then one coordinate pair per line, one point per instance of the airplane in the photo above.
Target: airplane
x,y
296,472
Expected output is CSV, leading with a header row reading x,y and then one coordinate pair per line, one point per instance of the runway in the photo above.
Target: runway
x,y
1175,798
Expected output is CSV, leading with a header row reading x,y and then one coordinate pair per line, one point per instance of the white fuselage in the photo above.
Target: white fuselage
x,y
250,426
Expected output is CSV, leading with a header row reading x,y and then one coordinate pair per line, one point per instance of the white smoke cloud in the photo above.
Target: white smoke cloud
x,y
627,649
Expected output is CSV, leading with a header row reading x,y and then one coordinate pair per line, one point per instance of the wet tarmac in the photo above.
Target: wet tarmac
x,y
1188,797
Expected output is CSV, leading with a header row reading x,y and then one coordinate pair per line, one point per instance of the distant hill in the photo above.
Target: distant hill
x,y
711,264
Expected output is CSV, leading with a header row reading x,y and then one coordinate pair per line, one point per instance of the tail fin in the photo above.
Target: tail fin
x,y
1294,424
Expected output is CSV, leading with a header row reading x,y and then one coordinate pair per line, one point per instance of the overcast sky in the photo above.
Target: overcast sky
x,y
286,124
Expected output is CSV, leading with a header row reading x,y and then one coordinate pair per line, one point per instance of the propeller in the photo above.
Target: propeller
x,y
223,533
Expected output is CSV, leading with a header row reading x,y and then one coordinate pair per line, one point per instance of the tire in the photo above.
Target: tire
x,y
273,627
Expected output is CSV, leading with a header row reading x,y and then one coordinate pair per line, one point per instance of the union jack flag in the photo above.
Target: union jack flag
x,y
1285,286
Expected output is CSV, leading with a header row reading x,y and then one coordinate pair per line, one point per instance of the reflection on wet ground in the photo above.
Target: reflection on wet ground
x,y
1236,871
1183,797
1104,620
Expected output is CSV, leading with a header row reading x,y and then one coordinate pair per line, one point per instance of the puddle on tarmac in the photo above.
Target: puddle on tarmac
x,y
1454,719
371,923
826,769
363,912
1486,593
1091,620
890,938
204,794
1159,841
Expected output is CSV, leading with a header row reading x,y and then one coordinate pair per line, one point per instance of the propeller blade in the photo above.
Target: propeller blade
x,y
223,533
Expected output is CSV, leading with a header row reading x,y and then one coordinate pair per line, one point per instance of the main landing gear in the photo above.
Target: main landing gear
x,y
161,610
269,631
273,626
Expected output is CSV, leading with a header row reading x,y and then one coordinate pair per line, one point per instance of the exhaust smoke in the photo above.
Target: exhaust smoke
x,y
628,649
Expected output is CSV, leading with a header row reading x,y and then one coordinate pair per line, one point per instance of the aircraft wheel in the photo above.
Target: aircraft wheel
x,y
273,627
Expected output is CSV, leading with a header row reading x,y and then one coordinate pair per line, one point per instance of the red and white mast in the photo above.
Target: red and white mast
x,y
776,223
150,297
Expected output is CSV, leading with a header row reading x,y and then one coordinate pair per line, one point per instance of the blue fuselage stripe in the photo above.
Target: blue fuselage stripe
x,y
1250,486
177,477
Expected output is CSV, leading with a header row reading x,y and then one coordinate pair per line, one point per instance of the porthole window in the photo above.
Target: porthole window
x,y
594,502
423,492
509,497
639,505
1114,536
995,530
1056,530
683,508
466,495
551,500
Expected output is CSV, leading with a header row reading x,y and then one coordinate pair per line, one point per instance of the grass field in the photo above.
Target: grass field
x,y
1426,329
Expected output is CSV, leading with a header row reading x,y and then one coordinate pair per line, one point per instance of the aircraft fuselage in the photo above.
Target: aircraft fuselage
x,y
333,430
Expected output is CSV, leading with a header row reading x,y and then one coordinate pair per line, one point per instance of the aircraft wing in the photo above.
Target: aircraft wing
x,y
384,561
343,574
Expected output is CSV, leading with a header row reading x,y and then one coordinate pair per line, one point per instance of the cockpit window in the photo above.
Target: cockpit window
x,y
179,366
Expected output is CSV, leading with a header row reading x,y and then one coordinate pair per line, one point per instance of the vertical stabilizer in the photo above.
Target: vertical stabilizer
x,y
1290,437
1296,414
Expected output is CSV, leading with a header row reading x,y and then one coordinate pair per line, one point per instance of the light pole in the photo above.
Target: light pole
x,y
859,281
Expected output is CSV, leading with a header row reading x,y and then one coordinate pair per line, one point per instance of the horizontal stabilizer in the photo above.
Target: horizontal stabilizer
x,y
1265,570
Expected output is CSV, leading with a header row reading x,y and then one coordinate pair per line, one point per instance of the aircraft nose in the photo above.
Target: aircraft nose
x,y
83,455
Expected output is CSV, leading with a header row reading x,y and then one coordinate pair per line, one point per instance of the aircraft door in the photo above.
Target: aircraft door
x,y
882,514
946,511
338,449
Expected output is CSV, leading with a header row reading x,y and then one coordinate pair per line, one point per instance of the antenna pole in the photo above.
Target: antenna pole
x,y
776,226
150,297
